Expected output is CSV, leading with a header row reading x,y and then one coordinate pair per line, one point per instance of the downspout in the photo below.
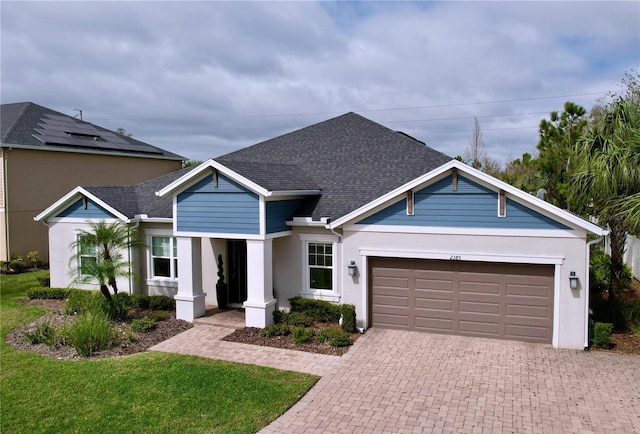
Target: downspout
x,y
5,198
130,253
586,308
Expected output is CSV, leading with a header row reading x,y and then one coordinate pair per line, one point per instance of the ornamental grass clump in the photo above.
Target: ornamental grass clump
x,y
90,333
44,333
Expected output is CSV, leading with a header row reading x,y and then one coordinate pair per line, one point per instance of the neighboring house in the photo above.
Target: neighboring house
x,y
44,154
351,212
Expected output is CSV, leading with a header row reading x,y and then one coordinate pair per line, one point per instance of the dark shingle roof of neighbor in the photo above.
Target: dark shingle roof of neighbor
x,y
140,198
352,160
34,126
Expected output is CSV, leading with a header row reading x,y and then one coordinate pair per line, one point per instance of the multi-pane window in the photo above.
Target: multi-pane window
x,y
320,261
164,257
87,257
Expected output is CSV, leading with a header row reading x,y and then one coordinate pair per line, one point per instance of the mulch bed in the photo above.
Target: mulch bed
x,y
164,330
252,335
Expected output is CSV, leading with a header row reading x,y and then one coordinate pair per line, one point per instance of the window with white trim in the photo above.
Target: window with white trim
x,y
164,257
87,255
319,259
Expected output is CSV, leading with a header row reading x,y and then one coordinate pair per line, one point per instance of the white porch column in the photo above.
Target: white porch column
x,y
260,303
190,298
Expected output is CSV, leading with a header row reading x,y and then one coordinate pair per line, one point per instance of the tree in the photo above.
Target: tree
x,y
99,255
476,156
556,149
191,163
607,174
123,132
523,173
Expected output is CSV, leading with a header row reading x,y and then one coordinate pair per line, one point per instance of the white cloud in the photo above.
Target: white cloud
x,y
204,78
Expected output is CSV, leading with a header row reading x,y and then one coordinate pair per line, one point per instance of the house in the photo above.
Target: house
x,y
349,211
44,154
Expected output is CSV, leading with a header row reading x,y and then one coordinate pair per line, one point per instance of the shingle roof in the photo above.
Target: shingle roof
x,y
140,198
353,161
37,127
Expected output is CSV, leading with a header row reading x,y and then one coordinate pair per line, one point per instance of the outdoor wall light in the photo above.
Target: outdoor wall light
x,y
573,280
352,268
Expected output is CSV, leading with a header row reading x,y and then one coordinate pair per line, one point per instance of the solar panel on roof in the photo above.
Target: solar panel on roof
x,y
61,130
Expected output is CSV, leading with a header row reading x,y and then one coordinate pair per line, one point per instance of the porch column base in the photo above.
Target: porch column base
x,y
189,307
259,314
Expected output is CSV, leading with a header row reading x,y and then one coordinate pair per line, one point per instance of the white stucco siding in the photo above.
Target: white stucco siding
x,y
61,236
566,253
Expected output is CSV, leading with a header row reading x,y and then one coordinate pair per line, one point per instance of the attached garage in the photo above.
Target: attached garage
x,y
496,300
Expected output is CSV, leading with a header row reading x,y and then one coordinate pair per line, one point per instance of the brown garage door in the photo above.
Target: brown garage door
x,y
506,301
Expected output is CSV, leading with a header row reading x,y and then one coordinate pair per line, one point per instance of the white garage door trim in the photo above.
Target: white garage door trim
x,y
550,260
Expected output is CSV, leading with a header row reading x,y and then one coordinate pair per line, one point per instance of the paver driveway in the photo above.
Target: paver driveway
x,y
409,382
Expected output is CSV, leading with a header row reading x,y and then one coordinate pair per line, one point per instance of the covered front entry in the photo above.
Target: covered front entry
x,y
497,300
237,266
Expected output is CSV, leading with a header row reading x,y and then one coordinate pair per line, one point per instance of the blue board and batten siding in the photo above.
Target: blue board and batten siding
x,y
226,207
93,211
471,205
278,212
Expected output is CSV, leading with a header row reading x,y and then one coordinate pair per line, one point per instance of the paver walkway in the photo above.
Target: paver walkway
x,y
406,382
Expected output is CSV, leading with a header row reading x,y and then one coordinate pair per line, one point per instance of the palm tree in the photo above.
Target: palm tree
x,y
608,173
99,256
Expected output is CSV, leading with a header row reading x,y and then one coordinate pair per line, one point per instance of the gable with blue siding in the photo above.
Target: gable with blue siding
x,y
218,207
93,211
278,212
471,205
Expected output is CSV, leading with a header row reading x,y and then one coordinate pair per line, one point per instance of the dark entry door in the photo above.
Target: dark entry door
x,y
237,254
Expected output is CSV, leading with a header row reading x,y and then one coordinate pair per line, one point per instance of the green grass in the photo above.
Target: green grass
x,y
147,392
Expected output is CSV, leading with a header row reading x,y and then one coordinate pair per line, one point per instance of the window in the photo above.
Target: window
x,y
87,256
164,257
320,261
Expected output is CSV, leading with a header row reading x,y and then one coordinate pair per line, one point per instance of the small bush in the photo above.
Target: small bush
x,y
161,302
602,334
348,318
159,315
299,319
141,301
44,333
143,325
275,330
44,281
90,333
118,308
600,272
302,334
318,310
83,301
279,316
49,293
334,336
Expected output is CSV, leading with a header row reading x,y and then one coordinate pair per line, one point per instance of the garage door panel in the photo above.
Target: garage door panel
x,y
507,301
476,307
433,303
435,325
479,328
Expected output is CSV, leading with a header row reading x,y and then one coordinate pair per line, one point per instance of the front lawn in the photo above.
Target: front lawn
x,y
147,392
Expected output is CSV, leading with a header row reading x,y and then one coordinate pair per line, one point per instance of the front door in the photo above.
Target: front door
x,y
237,263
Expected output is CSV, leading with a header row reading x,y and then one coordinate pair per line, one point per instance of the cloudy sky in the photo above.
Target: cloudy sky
x,y
204,78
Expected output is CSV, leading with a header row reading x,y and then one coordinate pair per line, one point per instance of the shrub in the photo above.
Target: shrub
x,y
83,301
90,333
600,270
159,315
602,334
141,301
143,325
118,308
279,316
334,336
49,293
275,330
44,333
161,302
44,281
348,318
302,334
318,310
299,319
